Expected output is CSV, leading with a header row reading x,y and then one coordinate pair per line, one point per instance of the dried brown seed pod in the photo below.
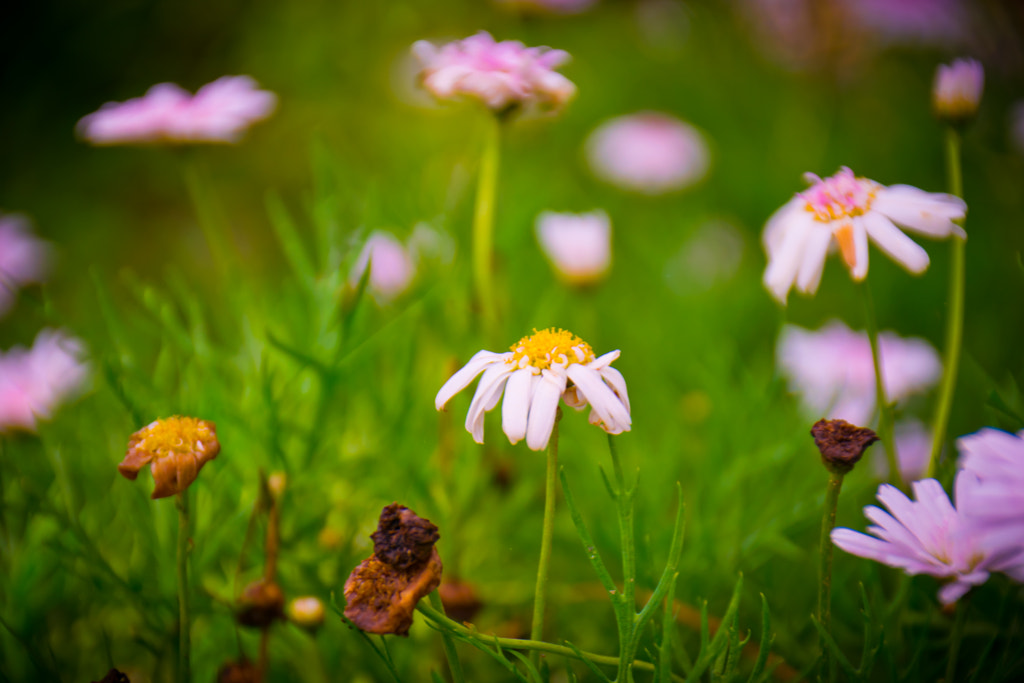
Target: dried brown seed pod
x,y
841,443
260,605
382,592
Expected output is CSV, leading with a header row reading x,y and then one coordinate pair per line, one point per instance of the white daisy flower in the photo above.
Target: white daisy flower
x,y
537,371
846,210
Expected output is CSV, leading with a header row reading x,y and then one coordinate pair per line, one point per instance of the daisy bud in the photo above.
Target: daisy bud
x,y
306,613
382,592
841,443
238,672
261,604
176,448
276,483
957,91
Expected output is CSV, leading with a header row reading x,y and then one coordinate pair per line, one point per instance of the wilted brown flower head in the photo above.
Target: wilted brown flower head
x,y
114,676
841,443
459,599
176,448
382,592
261,603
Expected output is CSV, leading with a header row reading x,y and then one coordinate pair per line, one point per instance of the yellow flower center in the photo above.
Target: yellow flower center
x,y
176,435
543,348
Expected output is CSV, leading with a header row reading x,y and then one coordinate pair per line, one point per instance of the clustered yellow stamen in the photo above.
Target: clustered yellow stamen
x,y
545,347
176,435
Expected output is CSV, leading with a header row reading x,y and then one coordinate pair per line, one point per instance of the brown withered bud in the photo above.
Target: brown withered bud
x,y
176,448
460,600
841,443
114,676
238,672
261,604
402,539
382,592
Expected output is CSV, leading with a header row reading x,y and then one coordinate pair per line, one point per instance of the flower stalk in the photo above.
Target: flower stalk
x,y
885,417
955,318
547,532
956,637
449,643
184,635
828,523
483,224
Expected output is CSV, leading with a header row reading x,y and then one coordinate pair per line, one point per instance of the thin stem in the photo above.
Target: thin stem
x,y
885,419
184,637
540,594
624,498
483,224
449,643
957,636
516,644
955,317
828,523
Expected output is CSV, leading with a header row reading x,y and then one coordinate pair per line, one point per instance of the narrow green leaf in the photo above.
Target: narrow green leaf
x,y
830,643
589,547
291,243
767,640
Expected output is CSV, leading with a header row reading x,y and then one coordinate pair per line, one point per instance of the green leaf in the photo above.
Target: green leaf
x,y
291,243
767,641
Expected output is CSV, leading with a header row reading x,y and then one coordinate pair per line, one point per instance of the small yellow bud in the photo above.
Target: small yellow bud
x,y
306,612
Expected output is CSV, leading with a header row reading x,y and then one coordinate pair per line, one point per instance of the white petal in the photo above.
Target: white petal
x,y
775,228
605,359
895,244
601,398
927,213
487,394
461,379
516,406
785,257
548,390
813,263
617,382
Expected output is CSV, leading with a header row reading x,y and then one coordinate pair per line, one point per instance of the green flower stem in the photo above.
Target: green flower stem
x,y
540,595
828,523
955,318
446,624
885,419
184,637
624,498
483,225
957,636
449,643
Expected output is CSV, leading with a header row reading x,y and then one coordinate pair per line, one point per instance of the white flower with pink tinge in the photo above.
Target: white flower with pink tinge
x,y
846,210
995,506
219,112
834,373
648,152
926,536
23,258
34,382
534,374
579,246
391,266
501,75
956,92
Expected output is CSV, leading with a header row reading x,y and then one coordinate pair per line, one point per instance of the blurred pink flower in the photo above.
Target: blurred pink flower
x,y
391,266
995,505
647,152
709,257
502,75
34,382
579,246
913,451
833,372
926,536
845,210
956,92
220,112
23,258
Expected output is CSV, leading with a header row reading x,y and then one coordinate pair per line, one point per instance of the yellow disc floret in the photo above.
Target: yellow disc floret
x,y
176,435
542,349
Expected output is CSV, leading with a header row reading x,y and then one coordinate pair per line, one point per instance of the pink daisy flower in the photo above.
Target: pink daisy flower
x,y
23,258
220,112
579,246
34,382
501,75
